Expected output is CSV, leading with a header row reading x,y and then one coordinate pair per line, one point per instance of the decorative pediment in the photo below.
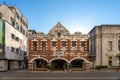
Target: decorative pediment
x,y
58,31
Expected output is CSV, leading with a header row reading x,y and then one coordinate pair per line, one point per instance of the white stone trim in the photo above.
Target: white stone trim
x,y
59,58
38,57
78,57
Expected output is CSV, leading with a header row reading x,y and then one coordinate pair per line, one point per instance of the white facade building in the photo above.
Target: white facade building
x,y
104,44
15,27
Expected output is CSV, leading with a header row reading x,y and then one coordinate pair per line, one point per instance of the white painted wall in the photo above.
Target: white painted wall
x,y
9,42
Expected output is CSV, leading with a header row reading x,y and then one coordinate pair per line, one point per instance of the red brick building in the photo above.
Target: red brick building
x,y
58,49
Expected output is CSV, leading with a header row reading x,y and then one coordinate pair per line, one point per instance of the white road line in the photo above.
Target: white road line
x,y
39,78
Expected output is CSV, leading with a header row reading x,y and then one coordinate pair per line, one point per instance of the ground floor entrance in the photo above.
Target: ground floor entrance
x,y
59,64
77,63
40,63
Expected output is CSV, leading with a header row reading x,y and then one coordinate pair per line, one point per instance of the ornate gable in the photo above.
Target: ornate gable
x,y
59,31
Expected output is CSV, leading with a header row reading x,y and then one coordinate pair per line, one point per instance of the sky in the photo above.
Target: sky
x,y
74,15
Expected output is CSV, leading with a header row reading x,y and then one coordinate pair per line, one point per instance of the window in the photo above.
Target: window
x,y
12,36
110,45
12,49
21,19
119,45
17,15
25,53
82,45
26,34
17,39
21,29
17,26
34,46
21,51
23,22
58,34
63,43
12,21
17,50
43,45
54,44
73,43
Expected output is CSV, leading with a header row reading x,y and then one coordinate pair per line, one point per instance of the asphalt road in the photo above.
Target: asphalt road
x,y
60,75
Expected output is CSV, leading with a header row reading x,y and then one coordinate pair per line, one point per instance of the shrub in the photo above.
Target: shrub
x,y
48,66
69,66
101,67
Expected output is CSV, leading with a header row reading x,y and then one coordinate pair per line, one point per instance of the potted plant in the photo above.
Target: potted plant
x,y
69,66
48,66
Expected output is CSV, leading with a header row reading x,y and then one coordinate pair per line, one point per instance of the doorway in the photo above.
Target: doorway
x,y
77,63
59,64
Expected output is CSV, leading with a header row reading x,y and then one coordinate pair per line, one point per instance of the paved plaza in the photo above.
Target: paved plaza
x,y
60,75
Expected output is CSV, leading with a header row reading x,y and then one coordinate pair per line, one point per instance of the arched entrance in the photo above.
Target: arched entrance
x,y
40,63
77,63
59,64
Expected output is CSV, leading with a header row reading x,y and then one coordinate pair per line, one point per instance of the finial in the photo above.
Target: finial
x,y
58,22
4,2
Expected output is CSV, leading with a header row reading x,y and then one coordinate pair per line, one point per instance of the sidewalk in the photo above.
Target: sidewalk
x,y
104,70
91,70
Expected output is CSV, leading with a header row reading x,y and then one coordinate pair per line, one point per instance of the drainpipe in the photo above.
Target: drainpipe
x,y
101,46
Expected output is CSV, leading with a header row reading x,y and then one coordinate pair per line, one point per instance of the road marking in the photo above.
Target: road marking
x,y
46,78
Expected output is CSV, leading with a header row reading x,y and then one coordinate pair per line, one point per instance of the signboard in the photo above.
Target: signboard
x,y
59,53
2,37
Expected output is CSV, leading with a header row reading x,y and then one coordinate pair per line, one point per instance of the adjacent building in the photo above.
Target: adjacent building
x,y
13,38
58,49
104,44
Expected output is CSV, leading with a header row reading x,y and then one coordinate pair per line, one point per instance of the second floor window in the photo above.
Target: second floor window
x,y
119,45
12,21
110,45
82,43
54,44
17,39
12,49
43,45
73,43
12,36
17,50
34,45
63,43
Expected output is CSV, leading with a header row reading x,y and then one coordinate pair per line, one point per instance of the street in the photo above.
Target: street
x,y
60,75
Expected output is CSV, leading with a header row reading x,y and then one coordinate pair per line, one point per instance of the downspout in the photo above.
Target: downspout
x,y
101,46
